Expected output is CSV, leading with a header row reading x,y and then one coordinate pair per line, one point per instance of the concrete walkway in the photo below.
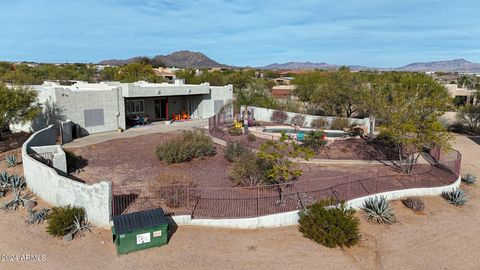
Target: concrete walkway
x,y
156,127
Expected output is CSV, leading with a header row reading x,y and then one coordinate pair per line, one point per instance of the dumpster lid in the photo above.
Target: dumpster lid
x,y
139,220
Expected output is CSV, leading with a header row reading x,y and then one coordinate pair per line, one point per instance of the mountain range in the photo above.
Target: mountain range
x,y
189,59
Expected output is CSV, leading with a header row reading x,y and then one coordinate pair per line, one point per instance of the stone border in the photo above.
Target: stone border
x,y
291,218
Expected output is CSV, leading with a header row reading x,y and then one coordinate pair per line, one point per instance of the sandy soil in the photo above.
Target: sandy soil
x,y
444,237
133,161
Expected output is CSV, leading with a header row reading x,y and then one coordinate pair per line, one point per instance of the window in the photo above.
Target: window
x,y
134,106
93,117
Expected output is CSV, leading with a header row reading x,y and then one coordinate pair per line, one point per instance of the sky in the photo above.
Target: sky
x,y
380,33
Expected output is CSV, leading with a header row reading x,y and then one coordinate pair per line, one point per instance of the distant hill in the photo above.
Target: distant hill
x,y
185,59
456,65
299,65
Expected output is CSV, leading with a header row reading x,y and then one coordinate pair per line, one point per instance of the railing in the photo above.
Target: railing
x,y
45,158
242,202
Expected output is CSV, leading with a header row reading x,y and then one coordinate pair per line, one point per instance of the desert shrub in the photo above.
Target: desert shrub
x,y
314,140
298,120
190,144
234,150
62,218
379,209
248,170
279,117
234,131
319,123
384,139
330,225
456,197
356,131
251,137
469,178
339,123
414,203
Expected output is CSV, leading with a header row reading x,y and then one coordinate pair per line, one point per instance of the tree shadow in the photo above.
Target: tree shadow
x,y
51,114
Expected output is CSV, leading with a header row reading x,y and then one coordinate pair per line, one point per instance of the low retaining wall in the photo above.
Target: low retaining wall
x,y
58,190
291,218
263,114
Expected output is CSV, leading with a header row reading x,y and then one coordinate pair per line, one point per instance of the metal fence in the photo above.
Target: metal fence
x,y
45,158
242,202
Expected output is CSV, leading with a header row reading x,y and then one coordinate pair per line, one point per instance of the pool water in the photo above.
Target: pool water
x,y
330,133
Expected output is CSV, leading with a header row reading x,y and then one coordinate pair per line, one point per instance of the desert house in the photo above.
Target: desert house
x,y
108,106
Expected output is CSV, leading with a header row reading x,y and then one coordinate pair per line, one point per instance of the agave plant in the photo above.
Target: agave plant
x,y
4,183
17,200
78,229
469,178
456,197
414,203
37,217
16,181
11,161
379,209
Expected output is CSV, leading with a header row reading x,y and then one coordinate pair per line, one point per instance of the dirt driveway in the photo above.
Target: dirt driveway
x,y
444,237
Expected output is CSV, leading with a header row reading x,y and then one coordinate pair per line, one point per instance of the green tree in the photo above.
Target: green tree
x,y
17,105
410,106
280,155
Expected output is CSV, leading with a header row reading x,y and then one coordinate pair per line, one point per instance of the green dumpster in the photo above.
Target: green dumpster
x,y
140,230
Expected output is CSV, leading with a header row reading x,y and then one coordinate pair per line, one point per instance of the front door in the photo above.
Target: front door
x,y
160,109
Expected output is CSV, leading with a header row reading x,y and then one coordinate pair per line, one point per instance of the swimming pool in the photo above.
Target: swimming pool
x,y
306,131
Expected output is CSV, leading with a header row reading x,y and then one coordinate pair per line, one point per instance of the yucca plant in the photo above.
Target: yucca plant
x,y
414,203
78,229
379,209
469,178
37,217
456,197
11,161
19,200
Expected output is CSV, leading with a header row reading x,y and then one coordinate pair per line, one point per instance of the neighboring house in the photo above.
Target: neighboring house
x,y
107,106
165,73
283,80
283,91
461,97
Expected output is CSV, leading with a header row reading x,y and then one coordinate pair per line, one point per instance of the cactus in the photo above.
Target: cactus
x,y
379,209
78,229
11,161
414,203
469,178
456,197
37,217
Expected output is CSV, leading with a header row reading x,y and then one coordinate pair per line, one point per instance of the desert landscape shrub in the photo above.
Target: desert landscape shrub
x,y
279,117
456,197
248,170
314,140
379,209
329,224
62,218
319,123
356,131
234,131
298,120
469,178
190,144
251,137
234,150
414,203
339,123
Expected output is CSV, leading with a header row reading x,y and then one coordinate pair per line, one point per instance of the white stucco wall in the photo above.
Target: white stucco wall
x,y
291,218
263,114
57,190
